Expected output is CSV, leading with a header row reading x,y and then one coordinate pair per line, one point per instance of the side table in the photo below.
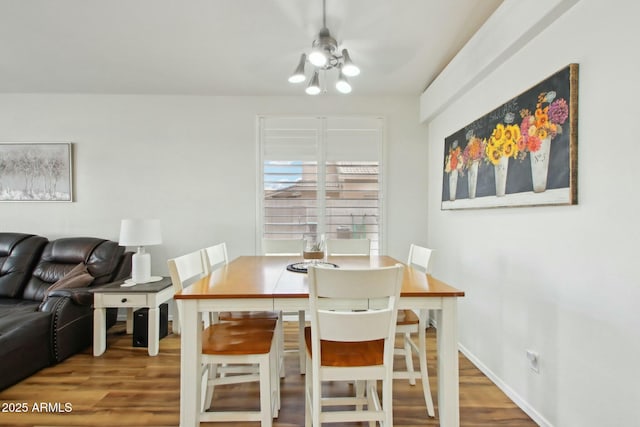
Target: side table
x,y
113,295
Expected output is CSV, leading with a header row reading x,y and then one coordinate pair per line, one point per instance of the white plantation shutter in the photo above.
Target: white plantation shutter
x,y
342,198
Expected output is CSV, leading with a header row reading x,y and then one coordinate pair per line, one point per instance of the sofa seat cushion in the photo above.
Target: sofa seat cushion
x,y
24,345
10,307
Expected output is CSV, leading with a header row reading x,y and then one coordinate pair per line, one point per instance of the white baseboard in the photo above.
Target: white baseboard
x,y
515,397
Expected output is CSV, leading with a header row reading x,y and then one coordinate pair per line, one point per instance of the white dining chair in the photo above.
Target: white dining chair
x,y
215,257
288,247
185,270
337,247
351,338
409,323
282,247
252,344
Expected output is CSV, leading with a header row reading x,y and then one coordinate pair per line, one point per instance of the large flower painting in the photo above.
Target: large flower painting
x,y
522,153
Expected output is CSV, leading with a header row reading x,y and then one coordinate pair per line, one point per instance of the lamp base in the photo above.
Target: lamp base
x,y
129,282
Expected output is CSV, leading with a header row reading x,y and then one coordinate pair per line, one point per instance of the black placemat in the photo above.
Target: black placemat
x,y
301,267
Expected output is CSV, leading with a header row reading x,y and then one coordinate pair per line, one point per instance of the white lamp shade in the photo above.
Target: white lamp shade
x,y
140,232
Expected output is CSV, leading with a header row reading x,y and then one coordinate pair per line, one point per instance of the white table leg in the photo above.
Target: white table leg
x,y
190,345
175,323
99,331
154,332
448,381
129,320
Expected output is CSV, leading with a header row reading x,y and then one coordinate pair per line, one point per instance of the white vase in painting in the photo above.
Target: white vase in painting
x,y
540,166
501,175
453,184
472,176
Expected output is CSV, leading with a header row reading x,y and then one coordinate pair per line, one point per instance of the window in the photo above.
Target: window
x,y
321,176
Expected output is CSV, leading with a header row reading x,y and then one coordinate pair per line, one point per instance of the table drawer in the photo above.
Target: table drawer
x,y
130,300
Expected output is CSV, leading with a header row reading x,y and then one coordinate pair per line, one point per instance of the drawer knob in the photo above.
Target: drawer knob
x,y
123,300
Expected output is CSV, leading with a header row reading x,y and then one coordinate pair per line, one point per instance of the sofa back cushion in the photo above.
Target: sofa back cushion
x,y
101,257
18,255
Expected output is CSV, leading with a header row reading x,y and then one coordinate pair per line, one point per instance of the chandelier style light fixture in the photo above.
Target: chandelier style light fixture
x,y
325,56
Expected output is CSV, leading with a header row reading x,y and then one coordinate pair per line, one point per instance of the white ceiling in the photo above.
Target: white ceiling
x,y
225,47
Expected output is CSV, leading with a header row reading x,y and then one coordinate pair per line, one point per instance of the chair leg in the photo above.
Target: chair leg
x,y
280,349
301,342
266,417
408,357
212,372
387,402
424,375
307,391
360,388
274,361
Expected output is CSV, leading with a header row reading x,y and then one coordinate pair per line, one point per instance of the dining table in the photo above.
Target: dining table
x,y
263,283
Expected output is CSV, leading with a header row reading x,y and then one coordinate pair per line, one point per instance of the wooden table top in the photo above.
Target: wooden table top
x,y
268,277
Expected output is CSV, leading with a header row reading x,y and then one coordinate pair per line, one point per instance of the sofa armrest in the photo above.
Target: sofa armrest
x,y
80,296
71,322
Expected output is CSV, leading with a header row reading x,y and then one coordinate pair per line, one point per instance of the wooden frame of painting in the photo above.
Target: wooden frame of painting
x,y
523,153
36,172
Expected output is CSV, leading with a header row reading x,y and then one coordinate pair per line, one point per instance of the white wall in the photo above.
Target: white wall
x,y
562,281
190,161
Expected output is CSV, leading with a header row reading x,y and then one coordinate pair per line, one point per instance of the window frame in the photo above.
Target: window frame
x,y
321,159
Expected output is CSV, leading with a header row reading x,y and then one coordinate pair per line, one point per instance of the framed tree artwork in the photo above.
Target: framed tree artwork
x,y
36,172
523,153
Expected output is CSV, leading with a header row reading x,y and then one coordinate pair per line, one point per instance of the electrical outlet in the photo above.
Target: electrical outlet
x,y
534,361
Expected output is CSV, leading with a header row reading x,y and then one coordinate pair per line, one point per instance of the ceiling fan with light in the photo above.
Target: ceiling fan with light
x,y
325,56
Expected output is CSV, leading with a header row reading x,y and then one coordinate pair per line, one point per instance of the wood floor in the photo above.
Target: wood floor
x,y
126,387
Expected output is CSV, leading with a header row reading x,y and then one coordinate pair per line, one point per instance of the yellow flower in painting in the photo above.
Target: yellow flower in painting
x,y
542,133
510,149
494,153
512,133
498,132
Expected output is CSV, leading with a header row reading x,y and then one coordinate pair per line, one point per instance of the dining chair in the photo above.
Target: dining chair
x,y
351,338
292,247
288,247
233,343
409,323
215,257
185,270
337,247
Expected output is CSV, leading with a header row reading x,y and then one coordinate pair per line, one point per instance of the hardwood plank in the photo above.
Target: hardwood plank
x,y
126,387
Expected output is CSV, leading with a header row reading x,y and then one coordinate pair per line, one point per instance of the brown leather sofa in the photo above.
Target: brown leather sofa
x,y
37,331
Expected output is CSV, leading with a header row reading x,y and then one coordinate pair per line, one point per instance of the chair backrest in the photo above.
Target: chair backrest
x,y
337,314
336,247
186,269
419,257
292,247
214,257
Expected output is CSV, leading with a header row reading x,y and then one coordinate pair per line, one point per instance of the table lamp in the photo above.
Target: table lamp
x,y
140,233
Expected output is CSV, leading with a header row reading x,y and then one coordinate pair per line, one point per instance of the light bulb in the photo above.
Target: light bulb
x,y
349,68
314,85
342,84
298,74
318,58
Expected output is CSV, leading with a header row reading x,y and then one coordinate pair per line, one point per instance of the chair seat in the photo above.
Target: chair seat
x,y
234,339
247,315
407,317
348,354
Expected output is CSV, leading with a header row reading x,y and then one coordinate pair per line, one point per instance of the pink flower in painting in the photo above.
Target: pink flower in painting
x,y
533,143
558,111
